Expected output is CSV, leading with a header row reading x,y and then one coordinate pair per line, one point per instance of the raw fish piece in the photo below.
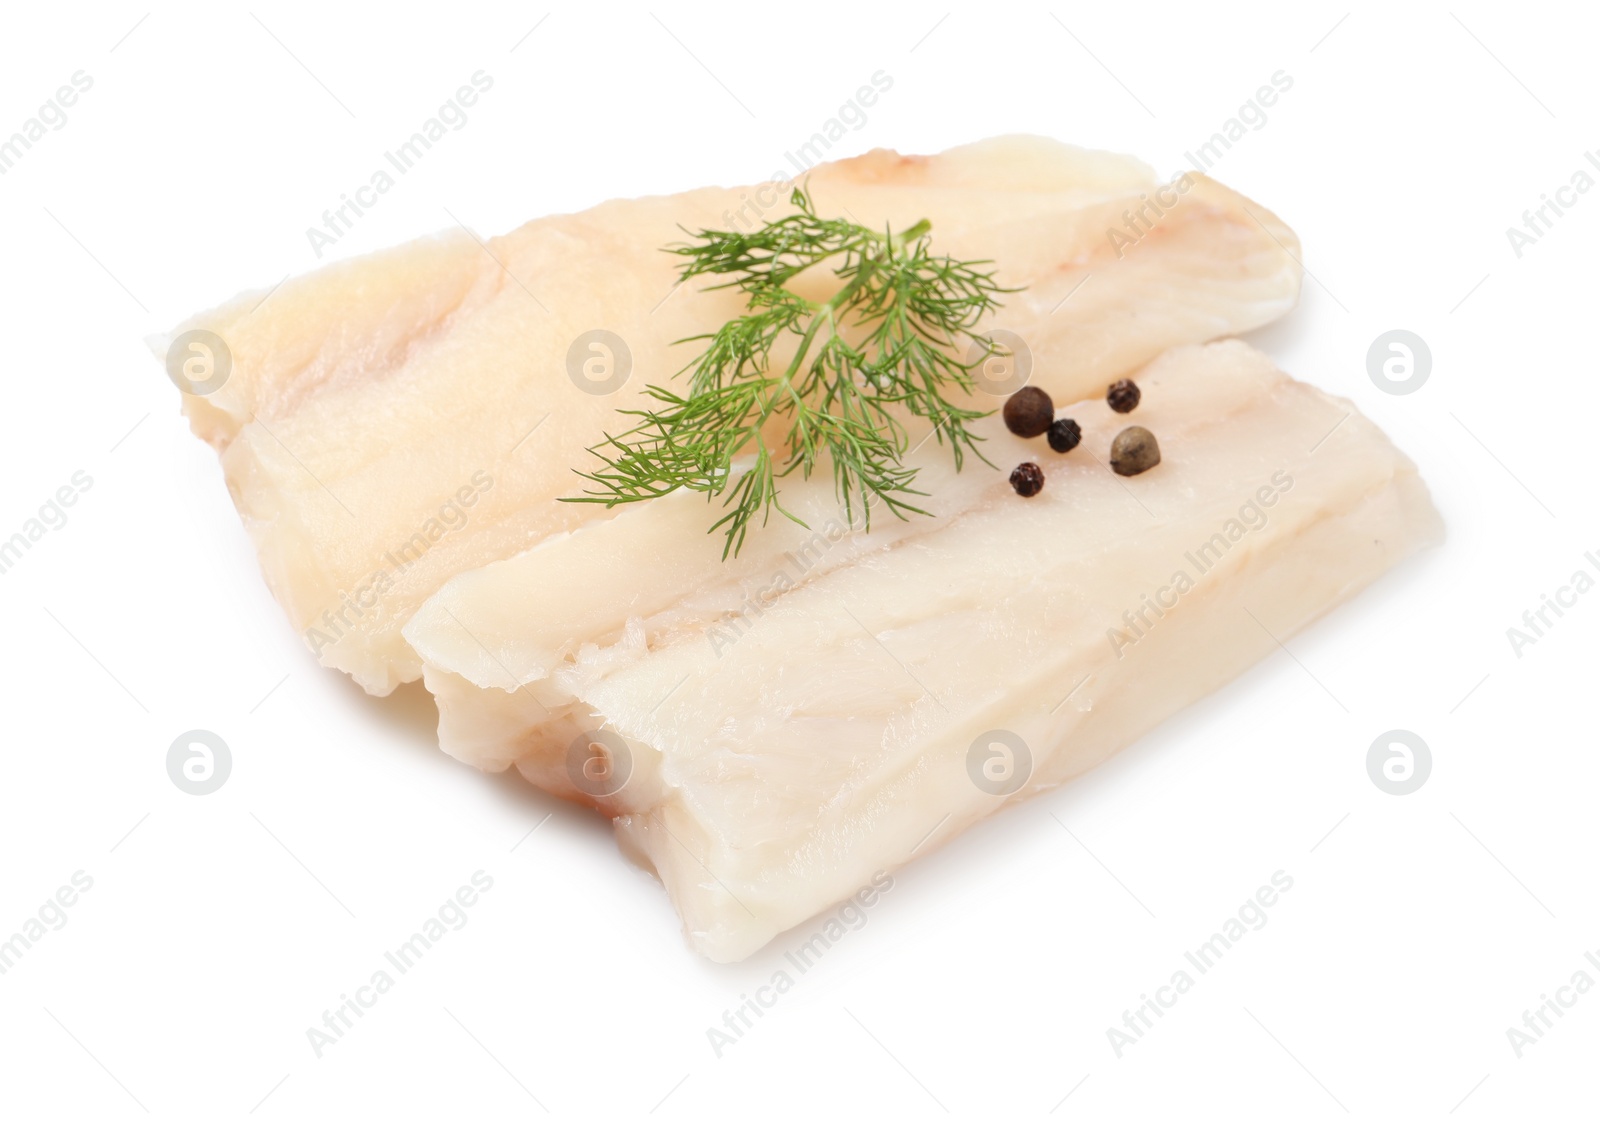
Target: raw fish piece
x,y
391,421
769,733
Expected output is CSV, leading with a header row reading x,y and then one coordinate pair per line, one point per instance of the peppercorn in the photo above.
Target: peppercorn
x,y
1027,479
1133,451
1028,412
1064,435
1123,395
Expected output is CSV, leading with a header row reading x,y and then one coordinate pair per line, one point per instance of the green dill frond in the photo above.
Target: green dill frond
x,y
913,312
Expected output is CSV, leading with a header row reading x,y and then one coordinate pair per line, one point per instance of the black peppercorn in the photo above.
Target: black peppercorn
x,y
1064,435
1123,395
1133,451
1027,479
1028,413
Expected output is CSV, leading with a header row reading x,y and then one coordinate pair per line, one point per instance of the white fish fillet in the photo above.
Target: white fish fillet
x,y
806,715
393,421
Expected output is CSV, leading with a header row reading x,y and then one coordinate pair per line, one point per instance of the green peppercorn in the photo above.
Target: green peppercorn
x,y
1027,479
1123,395
1133,451
1064,435
1028,413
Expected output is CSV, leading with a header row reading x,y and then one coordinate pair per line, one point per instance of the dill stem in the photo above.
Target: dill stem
x,y
826,310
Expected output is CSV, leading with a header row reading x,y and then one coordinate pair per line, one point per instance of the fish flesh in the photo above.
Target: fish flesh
x,y
766,733
769,731
389,422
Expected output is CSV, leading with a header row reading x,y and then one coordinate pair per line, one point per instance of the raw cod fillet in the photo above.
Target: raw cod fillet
x,y
392,421
767,733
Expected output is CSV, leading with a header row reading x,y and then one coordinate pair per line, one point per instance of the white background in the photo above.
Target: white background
x,y
219,928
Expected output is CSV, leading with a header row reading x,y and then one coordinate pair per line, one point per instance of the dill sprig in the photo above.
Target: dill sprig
x,y
883,346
